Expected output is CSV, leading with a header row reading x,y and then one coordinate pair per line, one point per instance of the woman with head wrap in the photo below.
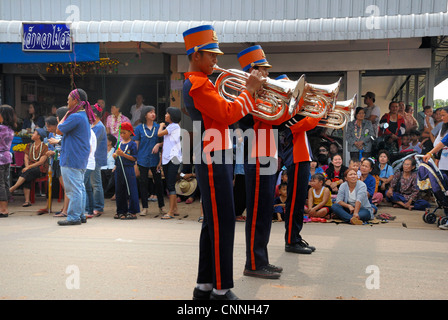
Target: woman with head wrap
x,y
75,131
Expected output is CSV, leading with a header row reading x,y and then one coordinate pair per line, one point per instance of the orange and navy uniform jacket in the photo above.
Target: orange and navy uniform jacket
x,y
205,104
301,148
265,144
215,180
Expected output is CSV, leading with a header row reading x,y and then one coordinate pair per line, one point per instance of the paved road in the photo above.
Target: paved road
x,y
153,259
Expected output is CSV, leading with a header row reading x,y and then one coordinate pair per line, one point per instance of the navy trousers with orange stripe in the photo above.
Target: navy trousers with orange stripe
x,y
298,177
260,190
218,227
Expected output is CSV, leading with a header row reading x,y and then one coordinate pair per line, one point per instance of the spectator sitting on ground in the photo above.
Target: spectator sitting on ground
x,y
323,154
367,166
335,173
403,191
352,204
319,198
322,161
280,203
355,164
186,187
334,149
386,171
315,168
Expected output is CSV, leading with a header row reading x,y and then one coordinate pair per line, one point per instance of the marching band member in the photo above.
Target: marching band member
x,y
296,154
214,114
260,185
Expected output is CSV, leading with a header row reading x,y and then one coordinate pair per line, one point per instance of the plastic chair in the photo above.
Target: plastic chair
x,y
33,187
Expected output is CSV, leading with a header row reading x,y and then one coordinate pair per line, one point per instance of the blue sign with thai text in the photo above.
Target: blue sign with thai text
x,y
47,37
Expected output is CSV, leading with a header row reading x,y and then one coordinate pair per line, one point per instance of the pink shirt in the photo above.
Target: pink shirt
x,y
113,123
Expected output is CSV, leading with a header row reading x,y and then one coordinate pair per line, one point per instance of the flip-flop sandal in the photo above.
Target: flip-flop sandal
x,y
60,214
26,204
167,217
42,211
97,213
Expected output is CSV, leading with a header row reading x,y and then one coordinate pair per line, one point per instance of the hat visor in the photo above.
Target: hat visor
x,y
217,51
264,64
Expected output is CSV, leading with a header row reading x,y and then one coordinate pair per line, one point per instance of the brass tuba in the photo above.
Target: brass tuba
x,y
337,116
317,99
340,114
276,97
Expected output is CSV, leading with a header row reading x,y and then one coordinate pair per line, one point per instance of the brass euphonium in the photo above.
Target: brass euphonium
x,y
317,99
339,115
274,100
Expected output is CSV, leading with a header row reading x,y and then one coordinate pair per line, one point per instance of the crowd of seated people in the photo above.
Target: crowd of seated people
x,y
375,142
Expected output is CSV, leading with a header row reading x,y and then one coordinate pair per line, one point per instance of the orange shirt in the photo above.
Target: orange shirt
x,y
301,149
217,113
265,144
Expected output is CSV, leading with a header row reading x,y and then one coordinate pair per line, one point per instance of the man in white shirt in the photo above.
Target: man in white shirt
x,y
136,110
372,112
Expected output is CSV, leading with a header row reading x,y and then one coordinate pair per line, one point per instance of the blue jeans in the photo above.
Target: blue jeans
x,y
419,204
345,215
94,190
75,191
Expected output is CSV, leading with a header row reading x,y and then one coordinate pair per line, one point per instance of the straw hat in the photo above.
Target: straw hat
x,y
186,188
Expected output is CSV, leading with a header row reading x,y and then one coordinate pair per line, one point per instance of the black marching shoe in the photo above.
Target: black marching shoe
x,y
298,248
273,268
69,223
265,272
201,294
228,296
306,244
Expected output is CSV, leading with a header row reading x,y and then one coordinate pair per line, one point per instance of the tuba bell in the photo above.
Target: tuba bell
x,y
339,116
272,102
317,99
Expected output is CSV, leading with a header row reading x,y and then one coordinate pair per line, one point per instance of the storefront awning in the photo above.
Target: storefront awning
x,y
82,52
325,29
